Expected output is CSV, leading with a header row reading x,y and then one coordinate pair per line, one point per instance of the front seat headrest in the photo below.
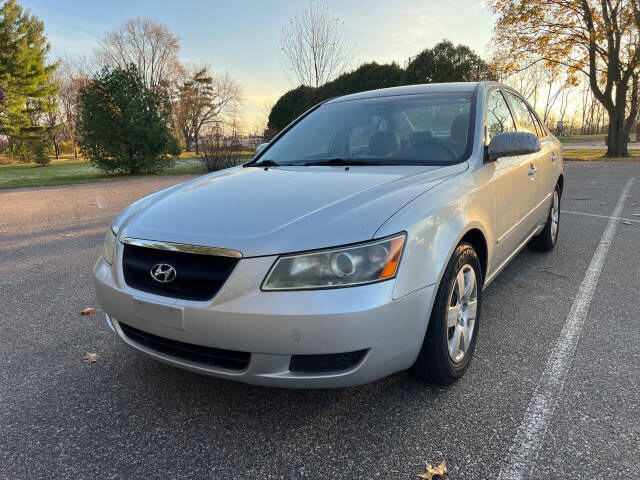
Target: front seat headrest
x,y
459,130
384,143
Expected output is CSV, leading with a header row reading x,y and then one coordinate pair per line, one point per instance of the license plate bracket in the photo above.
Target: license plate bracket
x,y
170,316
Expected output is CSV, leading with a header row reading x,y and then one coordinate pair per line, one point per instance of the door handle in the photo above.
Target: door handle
x,y
554,157
532,170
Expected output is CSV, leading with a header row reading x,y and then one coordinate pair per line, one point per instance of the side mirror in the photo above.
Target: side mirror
x,y
260,147
510,144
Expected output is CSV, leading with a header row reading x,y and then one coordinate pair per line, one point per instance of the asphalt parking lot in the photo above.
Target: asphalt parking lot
x,y
530,401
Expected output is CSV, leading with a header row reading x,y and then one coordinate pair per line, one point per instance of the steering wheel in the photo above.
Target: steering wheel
x,y
443,148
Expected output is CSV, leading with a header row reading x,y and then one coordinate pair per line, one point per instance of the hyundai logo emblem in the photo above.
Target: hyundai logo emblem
x,y
163,273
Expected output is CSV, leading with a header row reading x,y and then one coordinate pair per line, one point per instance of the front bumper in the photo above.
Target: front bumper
x,y
273,326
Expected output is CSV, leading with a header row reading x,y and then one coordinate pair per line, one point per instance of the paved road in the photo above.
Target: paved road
x,y
127,416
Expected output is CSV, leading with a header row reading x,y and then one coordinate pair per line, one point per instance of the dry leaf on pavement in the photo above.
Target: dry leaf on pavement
x,y
91,357
88,311
627,223
69,235
432,471
636,214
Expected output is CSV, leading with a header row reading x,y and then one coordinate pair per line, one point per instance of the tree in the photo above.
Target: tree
x,y
314,45
124,125
220,152
203,98
600,39
447,63
24,74
71,80
148,45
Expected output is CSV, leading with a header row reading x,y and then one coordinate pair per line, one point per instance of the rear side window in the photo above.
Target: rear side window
x,y
525,120
541,130
499,117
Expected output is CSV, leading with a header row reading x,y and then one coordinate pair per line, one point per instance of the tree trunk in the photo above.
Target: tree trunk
x,y
187,143
197,138
618,135
75,151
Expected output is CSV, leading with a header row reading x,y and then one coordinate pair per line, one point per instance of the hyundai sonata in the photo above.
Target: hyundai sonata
x,y
356,244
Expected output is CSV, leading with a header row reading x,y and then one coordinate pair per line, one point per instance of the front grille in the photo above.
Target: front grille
x,y
215,357
332,362
198,277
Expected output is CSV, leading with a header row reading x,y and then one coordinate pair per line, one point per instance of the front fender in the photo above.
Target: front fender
x,y
436,222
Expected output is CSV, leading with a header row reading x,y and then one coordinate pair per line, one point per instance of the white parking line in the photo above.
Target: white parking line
x,y
98,202
600,216
524,451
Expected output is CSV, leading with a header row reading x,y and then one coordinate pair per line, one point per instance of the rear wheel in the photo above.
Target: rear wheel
x,y
453,327
546,239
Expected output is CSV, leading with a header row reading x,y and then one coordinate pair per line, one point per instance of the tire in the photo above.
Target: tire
x,y
437,361
547,238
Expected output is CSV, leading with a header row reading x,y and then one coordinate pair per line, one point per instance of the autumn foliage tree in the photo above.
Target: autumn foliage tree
x,y
600,39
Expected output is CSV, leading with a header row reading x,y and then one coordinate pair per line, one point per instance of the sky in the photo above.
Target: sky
x,y
243,37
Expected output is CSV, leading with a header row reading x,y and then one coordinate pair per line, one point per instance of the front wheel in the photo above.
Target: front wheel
x,y
453,327
546,239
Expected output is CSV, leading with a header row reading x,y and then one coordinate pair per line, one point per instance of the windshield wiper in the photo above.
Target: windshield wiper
x,y
265,163
340,162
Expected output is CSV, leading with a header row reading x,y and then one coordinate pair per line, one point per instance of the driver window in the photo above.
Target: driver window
x,y
499,117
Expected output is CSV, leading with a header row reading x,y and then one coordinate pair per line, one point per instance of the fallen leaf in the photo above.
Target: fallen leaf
x,y
627,223
636,214
88,311
91,357
439,471
69,235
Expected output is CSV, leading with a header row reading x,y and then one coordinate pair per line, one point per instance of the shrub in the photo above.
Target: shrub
x,y
39,153
27,151
125,126
219,153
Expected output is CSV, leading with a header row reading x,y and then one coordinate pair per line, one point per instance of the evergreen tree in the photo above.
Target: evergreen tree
x,y
446,62
25,78
125,126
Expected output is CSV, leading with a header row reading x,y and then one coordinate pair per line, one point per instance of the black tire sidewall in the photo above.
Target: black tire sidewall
x,y
442,368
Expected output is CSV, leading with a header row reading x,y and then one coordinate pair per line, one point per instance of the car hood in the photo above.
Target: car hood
x,y
277,210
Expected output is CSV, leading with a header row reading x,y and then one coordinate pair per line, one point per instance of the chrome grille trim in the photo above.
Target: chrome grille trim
x,y
182,247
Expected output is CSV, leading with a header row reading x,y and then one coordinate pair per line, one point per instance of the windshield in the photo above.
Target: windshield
x,y
428,129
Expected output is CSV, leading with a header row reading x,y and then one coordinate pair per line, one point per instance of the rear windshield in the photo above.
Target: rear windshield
x,y
422,129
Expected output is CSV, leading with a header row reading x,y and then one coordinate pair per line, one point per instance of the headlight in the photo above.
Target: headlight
x,y
109,249
339,267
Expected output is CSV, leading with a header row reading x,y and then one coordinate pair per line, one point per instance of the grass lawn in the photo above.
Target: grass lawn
x,y
583,138
597,155
67,171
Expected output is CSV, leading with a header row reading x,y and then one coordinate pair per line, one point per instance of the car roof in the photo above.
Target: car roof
x,y
413,90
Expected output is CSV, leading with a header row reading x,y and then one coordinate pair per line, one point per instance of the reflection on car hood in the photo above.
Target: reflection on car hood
x,y
279,210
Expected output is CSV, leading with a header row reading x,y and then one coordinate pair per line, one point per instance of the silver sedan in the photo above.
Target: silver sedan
x,y
357,243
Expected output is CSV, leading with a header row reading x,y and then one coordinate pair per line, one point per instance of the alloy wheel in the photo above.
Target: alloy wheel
x,y
555,216
461,313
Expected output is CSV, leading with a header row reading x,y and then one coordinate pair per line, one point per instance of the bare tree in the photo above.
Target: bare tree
x,y
71,77
204,98
314,45
220,152
147,44
51,117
